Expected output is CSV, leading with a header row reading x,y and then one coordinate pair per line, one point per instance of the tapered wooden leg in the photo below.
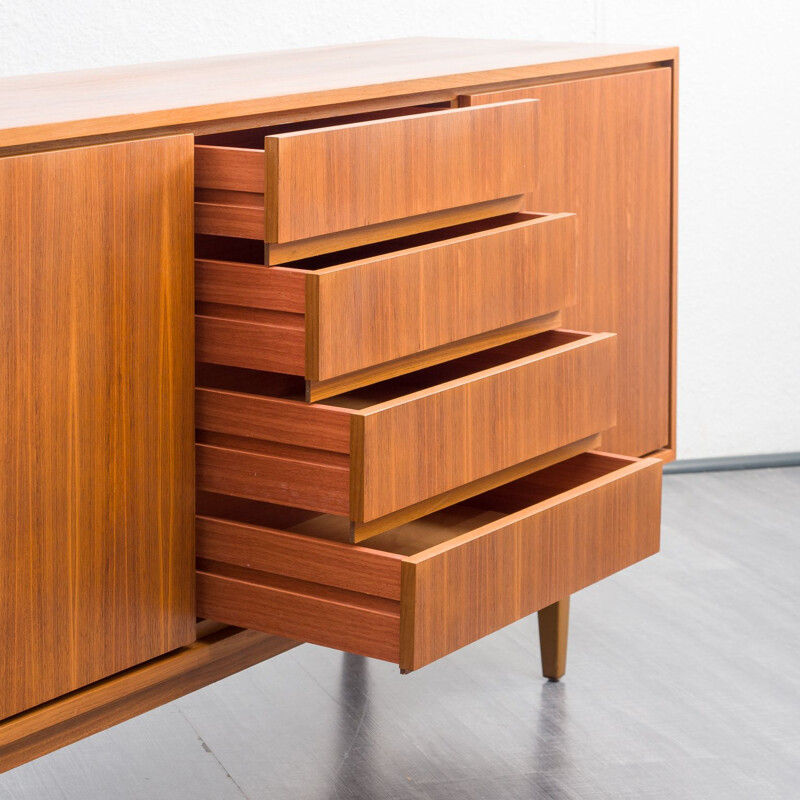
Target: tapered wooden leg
x,y
553,629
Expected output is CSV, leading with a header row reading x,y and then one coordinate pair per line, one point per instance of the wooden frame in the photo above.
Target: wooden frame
x,y
159,98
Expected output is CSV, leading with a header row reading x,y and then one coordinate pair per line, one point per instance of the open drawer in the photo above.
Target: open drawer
x,y
377,450
429,587
307,182
386,308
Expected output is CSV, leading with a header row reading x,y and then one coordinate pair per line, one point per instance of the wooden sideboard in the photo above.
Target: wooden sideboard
x,y
369,346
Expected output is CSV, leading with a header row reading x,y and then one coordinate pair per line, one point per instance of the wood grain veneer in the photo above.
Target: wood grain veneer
x,y
234,161
485,412
320,181
364,624
294,478
276,343
321,390
67,719
604,150
349,176
510,413
464,571
41,108
231,283
389,308
97,496
341,528
374,310
356,569
273,418
466,588
219,214
359,531
669,451
553,630
41,113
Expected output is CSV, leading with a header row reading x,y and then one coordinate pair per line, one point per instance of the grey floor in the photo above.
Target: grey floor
x,y
683,682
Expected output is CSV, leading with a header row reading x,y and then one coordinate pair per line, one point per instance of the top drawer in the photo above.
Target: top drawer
x,y
295,185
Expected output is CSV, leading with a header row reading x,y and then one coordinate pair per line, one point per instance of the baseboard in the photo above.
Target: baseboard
x,y
764,461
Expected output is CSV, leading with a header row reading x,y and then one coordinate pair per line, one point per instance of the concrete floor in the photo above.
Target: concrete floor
x,y
683,682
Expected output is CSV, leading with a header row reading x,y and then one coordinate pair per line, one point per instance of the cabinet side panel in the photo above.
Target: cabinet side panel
x,y
96,414
603,150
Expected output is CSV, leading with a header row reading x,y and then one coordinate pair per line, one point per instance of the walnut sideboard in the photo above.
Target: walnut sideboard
x,y
369,346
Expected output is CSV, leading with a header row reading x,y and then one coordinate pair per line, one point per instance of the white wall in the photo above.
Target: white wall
x,y
739,325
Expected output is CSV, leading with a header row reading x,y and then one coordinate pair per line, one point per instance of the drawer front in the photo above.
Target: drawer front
x,y
475,568
478,583
427,443
327,180
380,309
411,438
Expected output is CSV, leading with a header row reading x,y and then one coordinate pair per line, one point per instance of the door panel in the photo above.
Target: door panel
x,y
96,420
603,151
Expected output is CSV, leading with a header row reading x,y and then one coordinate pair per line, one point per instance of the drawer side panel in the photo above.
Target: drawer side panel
x,y
307,612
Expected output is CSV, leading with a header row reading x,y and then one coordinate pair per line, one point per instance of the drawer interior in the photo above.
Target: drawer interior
x,y
288,387
374,599
434,529
455,370
440,527
464,519
253,138
251,251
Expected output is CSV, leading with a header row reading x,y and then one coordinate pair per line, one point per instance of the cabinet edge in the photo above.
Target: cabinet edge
x,y
75,716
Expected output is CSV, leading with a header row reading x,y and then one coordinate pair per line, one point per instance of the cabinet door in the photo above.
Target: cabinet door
x,y
603,150
96,414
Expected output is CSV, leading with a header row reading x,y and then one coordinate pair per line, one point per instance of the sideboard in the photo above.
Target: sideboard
x,y
369,346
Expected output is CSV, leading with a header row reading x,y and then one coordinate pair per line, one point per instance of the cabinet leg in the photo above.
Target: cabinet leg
x,y
553,628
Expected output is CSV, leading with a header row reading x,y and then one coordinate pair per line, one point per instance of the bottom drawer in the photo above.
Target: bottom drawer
x,y
427,588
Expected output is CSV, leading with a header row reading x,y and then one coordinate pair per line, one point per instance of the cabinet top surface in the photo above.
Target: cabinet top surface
x,y
97,102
